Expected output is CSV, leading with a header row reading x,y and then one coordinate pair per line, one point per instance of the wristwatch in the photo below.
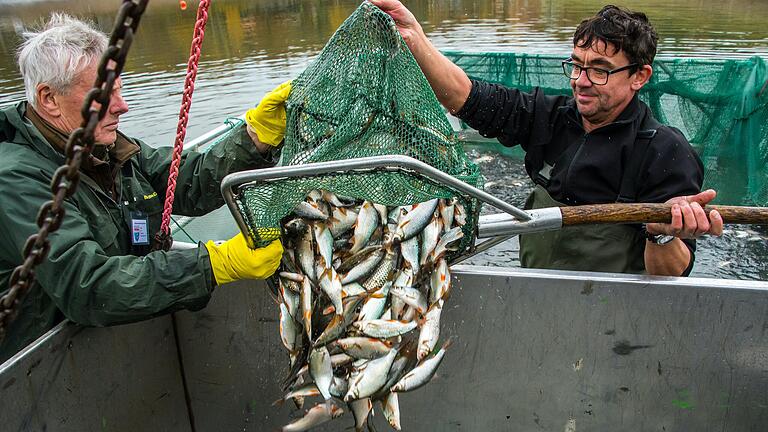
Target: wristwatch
x,y
659,239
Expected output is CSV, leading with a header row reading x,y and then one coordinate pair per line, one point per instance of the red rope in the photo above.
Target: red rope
x,y
186,104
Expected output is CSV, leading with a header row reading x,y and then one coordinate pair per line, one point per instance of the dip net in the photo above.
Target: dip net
x,y
364,95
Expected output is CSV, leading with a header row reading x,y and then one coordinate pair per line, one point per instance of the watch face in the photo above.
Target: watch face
x,y
664,239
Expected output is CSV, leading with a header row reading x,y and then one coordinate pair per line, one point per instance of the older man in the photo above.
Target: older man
x,y
100,270
600,146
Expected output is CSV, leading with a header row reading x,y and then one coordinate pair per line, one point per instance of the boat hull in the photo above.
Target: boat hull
x,y
532,350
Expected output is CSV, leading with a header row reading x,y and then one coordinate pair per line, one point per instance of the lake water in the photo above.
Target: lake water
x,y
251,46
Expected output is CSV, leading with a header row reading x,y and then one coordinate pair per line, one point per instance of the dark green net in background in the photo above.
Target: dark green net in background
x,y
721,106
363,96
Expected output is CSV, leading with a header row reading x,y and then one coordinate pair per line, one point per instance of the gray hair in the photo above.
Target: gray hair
x,y
57,53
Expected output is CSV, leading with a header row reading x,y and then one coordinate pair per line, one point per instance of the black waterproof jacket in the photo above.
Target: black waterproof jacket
x,y
590,173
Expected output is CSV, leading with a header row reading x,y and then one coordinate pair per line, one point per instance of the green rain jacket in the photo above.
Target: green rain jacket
x,y
92,274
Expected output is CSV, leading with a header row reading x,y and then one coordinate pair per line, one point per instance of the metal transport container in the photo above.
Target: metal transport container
x,y
533,350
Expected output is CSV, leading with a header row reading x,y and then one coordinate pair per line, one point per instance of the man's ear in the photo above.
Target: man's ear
x,y
641,77
46,101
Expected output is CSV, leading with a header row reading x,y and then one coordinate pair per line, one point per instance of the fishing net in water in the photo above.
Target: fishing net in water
x,y
721,106
364,95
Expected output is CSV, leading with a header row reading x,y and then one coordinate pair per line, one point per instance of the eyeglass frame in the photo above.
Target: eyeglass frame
x,y
586,69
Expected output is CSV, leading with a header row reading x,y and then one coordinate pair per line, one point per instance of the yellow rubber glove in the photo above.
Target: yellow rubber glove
x,y
267,120
234,260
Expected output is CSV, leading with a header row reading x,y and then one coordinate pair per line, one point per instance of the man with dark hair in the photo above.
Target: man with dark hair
x,y
601,145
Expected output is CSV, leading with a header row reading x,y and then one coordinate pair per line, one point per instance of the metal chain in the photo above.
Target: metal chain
x,y
78,148
163,239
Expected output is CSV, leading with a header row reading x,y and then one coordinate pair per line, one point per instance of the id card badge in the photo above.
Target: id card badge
x,y
139,229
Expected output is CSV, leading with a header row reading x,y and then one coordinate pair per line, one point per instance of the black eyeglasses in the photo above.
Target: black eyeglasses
x,y
595,75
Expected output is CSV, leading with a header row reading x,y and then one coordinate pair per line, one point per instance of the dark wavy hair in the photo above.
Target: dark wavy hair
x,y
626,30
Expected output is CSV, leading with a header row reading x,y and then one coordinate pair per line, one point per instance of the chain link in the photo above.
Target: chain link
x,y
79,147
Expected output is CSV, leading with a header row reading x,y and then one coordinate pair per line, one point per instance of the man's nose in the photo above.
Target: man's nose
x,y
118,105
583,79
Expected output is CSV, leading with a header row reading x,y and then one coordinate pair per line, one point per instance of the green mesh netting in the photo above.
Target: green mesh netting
x,y
363,96
720,105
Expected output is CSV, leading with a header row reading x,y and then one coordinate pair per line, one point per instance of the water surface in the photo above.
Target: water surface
x,y
251,46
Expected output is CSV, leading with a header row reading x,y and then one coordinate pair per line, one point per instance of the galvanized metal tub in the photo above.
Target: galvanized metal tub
x,y
533,350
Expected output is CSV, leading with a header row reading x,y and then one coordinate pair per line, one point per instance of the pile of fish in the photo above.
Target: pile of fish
x,y
361,289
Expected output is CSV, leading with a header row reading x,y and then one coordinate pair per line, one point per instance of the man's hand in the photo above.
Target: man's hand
x,y
689,220
234,260
406,23
266,122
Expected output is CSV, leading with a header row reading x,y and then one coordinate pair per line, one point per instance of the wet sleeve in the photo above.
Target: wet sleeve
x,y
671,168
512,116
87,285
198,186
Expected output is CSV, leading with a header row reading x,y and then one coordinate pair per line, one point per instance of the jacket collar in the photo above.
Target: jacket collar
x,y
119,151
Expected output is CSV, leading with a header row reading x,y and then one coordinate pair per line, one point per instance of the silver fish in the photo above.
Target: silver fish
x,y
459,215
397,308
364,268
394,215
337,201
289,330
402,364
339,387
294,277
360,409
446,208
439,282
382,272
409,314
352,289
301,392
430,237
444,245
339,323
296,227
330,283
391,409
342,220
319,414
412,297
315,195
363,347
292,300
310,211
415,221
374,306
430,330
321,370
324,242
421,374
371,378
306,306
382,209
367,221
336,361
410,251
306,255
384,329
